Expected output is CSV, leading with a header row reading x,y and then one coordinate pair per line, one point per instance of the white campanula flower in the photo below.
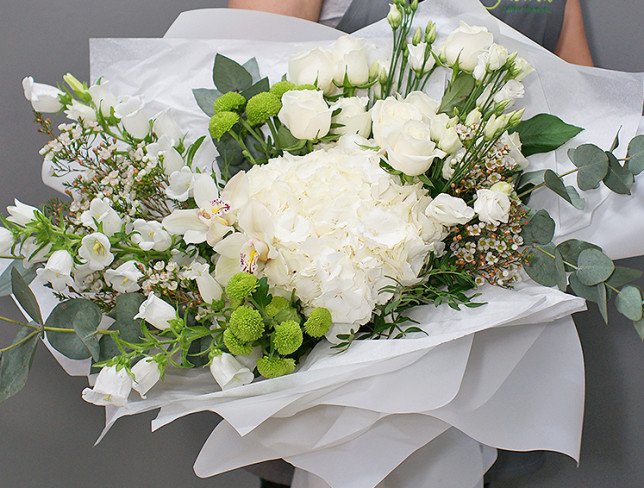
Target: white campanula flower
x,y
390,114
130,111
180,184
156,312
492,207
101,212
58,270
21,213
146,374
103,98
150,235
306,114
410,149
163,151
207,223
165,125
6,241
449,210
427,105
314,67
80,112
125,278
43,98
353,116
209,288
33,252
513,143
228,372
417,60
95,251
465,44
112,387
352,61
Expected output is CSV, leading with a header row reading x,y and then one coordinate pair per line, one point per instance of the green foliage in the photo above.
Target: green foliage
x,y
629,303
127,327
84,317
5,278
261,295
457,93
594,267
25,296
619,179
596,294
546,266
539,230
592,163
571,249
568,193
636,155
261,86
229,75
276,305
205,98
16,363
544,133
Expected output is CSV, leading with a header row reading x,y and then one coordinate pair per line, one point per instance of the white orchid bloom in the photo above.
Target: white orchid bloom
x,y
229,373
146,374
156,312
58,270
238,252
95,251
125,278
100,212
112,387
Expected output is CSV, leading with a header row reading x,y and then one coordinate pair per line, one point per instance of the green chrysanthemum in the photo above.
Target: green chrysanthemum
x,y
234,345
288,337
308,86
229,102
277,303
221,123
246,323
272,367
262,107
318,323
240,286
281,87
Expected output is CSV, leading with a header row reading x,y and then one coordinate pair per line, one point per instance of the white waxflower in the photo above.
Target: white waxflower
x,y
101,212
165,125
449,210
125,278
112,387
43,98
150,235
156,312
80,112
352,61
180,184
229,373
306,114
103,98
410,149
58,270
6,241
353,116
21,213
492,207
95,251
130,111
317,66
146,374
465,44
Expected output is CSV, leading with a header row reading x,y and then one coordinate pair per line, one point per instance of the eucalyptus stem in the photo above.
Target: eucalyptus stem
x,y
540,185
20,342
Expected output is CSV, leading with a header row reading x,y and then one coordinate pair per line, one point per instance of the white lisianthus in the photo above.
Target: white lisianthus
x,y
305,114
180,184
314,67
43,98
100,212
130,111
503,187
209,288
521,69
351,61
450,164
513,143
21,213
449,210
150,235
230,373
125,278
95,251
353,116
491,60
165,125
427,105
444,134
80,112
474,117
394,17
511,91
103,98
417,60
156,312
465,44
112,387
410,149
390,114
33,252
58,270
492,207
6,241
146,374
495,126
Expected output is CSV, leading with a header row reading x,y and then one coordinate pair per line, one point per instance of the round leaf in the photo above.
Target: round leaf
x,y
618,179
636,155
629,303
81,315
540,229
592,163
572,248
594,267
543,268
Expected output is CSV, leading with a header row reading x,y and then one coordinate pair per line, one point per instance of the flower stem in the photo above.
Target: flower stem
x,y
527,192
20,342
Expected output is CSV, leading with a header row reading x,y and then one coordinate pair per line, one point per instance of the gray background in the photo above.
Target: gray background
x,y
47,432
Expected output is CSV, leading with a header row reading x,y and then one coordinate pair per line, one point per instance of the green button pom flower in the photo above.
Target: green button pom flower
x,y
288,337
277,304
272,367
234,345
262,107
240,286
221,123
318,323
246,323
281,87
229,102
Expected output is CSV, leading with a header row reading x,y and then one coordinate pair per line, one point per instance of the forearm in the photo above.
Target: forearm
x,y
573,44
304,9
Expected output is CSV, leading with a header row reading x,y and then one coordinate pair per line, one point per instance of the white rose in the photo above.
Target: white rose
x,y
129,110
165,125
351,60
6,241
180,184
229,373
125,278
150,235
100,212
43,98
411,149
156,312
427,105
465,44
80,112
353,116
492,207
95,251
511,91
417,58
390,114
146,374
449,210
112,387
58,270
513,144
305,114
103,98
315,66
21,213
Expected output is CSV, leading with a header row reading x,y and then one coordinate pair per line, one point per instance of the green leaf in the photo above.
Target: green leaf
x,y
572,248
205,98
568,193
543,267
457,93
192,150
592,163
619,179
287,141
539,230
533,178
594,267
81,315
560,275
595,294
5,277
639,327
261,294
25,296
15,364
629,303
129,328
229,75
636,155
544,133
261,86
622,276
253,68
615,143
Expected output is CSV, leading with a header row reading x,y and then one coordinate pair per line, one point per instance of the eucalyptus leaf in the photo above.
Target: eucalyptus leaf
x,y
85,323
25,296
253,68
457,92
595,294
16,363
5,278
79,314
128,328
592,163
615,143
560,275
533,178
539,230
261,86
568,193
622,276
205,98
639,327
544,133
594,267
629,303
572,248
229,75
543,268
636,155
618,179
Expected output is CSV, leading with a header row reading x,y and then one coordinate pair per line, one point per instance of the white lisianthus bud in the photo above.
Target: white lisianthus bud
x,y
394,17
156,312
474,117
503,187
165,125
305,114
465,44
497,56
80,112
58,270
103,98
43,98
353,116
410,149
511,91
449,141
21,213
6,241
389,115
180,184
351,61
150,235
492,207
134,121
100,212
417,37
112,387
417,58
95,251
228,372
513,144
427,105
521,69
315,66
125,278
515,117
449,210
430,32
146,374
495,126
